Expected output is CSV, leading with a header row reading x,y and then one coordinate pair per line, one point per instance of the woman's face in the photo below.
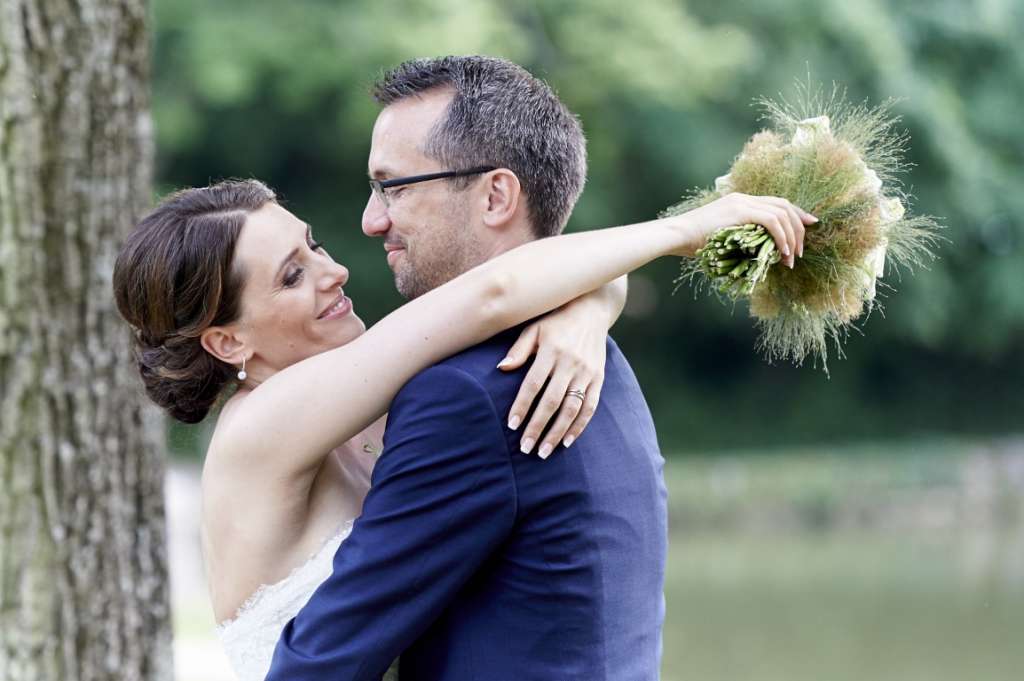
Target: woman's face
x,y
293,306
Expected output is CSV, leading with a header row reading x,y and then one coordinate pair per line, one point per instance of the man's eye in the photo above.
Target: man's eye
x,y
316,245
293,277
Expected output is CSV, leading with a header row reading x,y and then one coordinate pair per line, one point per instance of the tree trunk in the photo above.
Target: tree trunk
x,y
83,570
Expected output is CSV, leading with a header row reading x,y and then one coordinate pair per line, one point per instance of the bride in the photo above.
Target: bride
x,y
228,294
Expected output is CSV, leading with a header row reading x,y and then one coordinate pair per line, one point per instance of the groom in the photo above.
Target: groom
x,y
471,560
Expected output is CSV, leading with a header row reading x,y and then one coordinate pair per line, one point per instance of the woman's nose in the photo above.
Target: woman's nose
x,y
334,276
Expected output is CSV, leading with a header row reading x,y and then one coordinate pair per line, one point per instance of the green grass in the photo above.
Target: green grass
x,y
872,485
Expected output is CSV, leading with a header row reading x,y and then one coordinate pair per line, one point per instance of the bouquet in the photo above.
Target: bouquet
x,y
840,163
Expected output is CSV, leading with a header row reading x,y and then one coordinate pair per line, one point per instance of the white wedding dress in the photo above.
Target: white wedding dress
x,y
250,638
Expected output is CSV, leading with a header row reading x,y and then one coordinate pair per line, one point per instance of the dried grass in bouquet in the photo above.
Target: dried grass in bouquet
x,y
839,162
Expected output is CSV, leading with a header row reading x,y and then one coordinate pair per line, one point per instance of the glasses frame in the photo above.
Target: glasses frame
x,y
378,186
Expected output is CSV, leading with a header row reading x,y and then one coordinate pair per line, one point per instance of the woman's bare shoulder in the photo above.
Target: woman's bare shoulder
x,y
233,484
230,416
251,532
233,461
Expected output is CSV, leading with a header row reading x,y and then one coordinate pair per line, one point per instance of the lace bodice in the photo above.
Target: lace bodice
x,y
250,637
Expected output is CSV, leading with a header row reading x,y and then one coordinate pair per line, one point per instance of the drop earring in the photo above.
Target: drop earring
x,y
241,374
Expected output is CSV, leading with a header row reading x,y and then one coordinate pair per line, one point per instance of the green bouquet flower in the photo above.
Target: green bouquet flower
x,y
840,163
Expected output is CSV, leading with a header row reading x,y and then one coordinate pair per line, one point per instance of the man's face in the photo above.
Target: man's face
x,y
430,230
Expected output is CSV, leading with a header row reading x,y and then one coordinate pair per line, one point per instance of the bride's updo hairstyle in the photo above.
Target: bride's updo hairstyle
x,y
174,278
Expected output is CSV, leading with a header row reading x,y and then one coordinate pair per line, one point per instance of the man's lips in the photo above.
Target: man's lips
x,y
393,250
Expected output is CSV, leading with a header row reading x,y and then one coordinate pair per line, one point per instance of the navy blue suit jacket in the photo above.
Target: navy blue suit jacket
x,y
475,562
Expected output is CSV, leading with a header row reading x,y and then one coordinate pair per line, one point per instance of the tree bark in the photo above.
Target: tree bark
x,y
83,570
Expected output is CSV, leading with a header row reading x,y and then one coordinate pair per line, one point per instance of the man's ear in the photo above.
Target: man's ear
x,y
223,343
503,198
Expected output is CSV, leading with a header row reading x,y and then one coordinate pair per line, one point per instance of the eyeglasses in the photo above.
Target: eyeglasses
x,y
378,186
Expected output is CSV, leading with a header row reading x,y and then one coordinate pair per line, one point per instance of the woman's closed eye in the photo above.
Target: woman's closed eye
x,y
293,277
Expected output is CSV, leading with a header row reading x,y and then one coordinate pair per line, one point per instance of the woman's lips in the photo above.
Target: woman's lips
x,y
339,309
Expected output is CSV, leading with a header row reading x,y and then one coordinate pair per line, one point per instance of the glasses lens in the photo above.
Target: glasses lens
x,y
379,192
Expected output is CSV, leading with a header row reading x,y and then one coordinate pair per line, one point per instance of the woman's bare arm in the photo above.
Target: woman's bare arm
x,y
287,424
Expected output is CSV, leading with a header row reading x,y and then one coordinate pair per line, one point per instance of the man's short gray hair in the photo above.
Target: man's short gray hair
x,y
500,115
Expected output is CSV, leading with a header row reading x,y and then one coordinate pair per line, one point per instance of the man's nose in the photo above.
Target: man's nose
x,y
375,217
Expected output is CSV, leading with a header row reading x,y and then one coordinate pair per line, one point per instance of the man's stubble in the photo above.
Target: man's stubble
x,y
441,252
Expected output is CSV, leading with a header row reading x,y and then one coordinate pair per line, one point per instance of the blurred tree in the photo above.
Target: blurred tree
x,y
83,574
663,88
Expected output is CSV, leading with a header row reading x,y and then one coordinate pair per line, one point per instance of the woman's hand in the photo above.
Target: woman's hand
x,y
784,221
570,347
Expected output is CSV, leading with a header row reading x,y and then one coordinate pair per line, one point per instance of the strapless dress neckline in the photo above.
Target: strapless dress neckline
x,y
250,637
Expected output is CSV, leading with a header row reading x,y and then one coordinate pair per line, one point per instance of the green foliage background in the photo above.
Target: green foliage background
x,y
278,91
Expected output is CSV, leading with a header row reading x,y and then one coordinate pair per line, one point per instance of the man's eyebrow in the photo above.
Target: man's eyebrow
x,y
381,173
293,252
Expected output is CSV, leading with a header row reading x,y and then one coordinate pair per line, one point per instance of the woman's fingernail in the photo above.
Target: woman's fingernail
x,y
814,218
504,363
526,445
513,422
545,450
569,439
785,249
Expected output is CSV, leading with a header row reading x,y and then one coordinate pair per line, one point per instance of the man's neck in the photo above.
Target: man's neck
x,y
507,242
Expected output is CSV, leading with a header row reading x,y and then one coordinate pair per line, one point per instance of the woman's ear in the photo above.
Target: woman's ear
x,y
223,343
503,194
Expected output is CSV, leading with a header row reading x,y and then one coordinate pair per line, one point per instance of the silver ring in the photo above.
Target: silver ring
x,y
577,393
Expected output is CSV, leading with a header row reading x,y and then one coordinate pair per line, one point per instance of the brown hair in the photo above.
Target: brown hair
x,y
174,277
501,116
